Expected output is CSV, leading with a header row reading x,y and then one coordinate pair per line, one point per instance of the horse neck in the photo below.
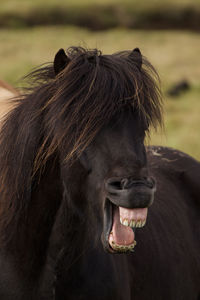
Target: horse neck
x,y
29,244
71,227
80,235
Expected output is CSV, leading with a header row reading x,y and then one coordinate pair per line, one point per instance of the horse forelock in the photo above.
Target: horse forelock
x,y
90,90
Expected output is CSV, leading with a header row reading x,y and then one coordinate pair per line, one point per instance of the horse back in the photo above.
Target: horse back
x,y
171,164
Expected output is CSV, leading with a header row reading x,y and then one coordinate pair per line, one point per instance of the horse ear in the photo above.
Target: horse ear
x,y
60,61
137,57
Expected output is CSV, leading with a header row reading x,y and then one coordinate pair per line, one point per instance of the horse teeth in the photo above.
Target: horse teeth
x,y
143,223
125,222
138,224
123,248
132,223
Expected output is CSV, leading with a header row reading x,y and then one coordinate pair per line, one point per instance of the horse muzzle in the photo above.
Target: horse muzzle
x,y
130,193
125,208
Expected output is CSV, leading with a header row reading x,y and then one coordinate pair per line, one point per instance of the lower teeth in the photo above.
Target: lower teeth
x,y
123,248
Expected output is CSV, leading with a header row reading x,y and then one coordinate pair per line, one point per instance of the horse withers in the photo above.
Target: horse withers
x,y
87,211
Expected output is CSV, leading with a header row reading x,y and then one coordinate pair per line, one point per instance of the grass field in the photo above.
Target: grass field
x,y
175,54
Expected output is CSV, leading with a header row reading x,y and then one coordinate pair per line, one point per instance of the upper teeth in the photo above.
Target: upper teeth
x,y
133,223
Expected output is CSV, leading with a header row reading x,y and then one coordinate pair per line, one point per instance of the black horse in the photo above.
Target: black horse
x,y
77,184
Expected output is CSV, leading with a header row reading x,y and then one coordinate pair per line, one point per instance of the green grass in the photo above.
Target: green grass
x,y
182,123
175,54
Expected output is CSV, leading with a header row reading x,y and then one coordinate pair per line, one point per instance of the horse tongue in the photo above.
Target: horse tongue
x,y
120,234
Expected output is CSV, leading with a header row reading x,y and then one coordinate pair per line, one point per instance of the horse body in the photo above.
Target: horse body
x,y
77,185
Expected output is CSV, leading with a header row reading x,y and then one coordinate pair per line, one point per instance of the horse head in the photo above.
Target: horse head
x,y
109,172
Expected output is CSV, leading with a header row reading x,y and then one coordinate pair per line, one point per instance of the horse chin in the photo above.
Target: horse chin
x,y
119,227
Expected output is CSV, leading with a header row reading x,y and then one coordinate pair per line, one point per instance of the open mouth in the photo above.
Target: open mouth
x,y
120,223
121,226
124,223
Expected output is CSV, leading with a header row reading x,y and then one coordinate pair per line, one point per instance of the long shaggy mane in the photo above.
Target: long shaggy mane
x,y
61,115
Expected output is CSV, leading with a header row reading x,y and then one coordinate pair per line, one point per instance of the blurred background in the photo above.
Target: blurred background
x,y
167,33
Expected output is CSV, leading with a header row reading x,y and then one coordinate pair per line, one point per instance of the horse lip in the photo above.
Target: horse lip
x,y
107,225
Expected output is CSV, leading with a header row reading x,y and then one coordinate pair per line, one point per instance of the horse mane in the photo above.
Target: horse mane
x,y
61,114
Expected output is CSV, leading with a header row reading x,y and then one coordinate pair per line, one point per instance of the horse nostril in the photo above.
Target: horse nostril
x,y
117,184
113,184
